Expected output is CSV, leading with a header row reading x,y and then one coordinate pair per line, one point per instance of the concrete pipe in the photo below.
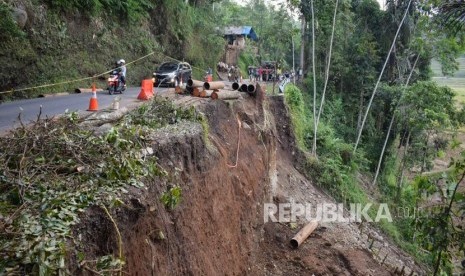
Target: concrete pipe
x,y
194,83
235,86
251,89
213,85
304,233
243,88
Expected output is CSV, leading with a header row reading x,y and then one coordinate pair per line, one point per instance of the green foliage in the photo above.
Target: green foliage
x,y
130,10
295,103
437,225
47,187
247,58
8,27
171,197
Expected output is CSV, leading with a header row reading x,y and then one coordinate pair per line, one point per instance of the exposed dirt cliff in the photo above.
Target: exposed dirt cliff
x,y
218,228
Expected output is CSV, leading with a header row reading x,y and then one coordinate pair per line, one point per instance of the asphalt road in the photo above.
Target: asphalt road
x,y
56,105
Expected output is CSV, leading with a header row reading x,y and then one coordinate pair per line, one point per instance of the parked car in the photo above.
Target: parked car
x,y
171,73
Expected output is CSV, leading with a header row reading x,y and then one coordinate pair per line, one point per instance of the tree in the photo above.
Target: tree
x,y
452,15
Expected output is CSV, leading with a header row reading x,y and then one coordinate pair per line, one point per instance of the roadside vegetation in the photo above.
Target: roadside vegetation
x,y
383,122
69,40
415,119
52,171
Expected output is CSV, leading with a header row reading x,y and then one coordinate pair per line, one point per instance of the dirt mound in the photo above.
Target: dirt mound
x,y
218,227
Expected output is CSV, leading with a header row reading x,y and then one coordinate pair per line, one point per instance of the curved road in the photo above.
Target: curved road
x,y
56,105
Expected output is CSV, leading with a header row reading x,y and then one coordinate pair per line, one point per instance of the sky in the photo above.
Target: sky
x,y
277,2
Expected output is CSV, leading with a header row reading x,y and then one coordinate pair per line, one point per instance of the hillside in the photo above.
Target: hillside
x,y
216,226
189,185
64,41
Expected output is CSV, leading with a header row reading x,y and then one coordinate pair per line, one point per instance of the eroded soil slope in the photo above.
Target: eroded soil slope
x,y
218,227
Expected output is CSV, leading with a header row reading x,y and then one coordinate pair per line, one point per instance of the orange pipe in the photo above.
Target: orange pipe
x,y
304,233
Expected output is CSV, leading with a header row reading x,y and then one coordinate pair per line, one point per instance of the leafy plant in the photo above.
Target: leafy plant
x,y
64,170
8,27
172,197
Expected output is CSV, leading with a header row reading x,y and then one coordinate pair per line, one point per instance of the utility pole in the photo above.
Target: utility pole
x,y
302,44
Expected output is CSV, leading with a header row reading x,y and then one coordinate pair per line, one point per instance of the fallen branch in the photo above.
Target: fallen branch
x,y
120,240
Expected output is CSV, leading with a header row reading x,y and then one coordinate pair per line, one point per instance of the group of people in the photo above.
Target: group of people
x,y
267,74
234,74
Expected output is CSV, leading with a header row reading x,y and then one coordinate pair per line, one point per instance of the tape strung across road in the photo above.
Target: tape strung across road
x,y
86,78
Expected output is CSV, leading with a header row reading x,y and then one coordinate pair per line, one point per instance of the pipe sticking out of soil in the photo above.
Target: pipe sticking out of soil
x,y
304,233
235,86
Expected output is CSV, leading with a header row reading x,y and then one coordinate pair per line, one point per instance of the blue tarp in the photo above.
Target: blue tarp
x,y
242,30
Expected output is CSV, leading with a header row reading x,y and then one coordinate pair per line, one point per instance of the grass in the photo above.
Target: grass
x,y
456,82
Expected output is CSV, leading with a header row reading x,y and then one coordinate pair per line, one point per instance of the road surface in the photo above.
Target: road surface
x,y
56,105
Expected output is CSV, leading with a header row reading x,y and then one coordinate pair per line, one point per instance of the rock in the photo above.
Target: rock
x,y
20,16
245,125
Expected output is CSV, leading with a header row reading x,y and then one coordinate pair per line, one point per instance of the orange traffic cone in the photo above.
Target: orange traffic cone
x,y
93,104
146,91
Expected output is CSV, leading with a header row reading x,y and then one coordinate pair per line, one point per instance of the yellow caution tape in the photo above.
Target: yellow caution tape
x,y
88,78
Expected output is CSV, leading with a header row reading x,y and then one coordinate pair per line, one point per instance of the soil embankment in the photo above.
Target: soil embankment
x,y
248,159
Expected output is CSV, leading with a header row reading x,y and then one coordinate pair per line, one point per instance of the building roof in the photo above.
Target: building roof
x,y
241,30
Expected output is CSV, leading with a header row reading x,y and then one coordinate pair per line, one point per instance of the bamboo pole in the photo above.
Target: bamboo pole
x,y
304,233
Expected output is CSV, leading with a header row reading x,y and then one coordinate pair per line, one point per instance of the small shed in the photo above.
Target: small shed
x,y
236,35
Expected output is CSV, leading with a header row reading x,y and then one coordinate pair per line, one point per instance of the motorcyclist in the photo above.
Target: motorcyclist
x,y
121,65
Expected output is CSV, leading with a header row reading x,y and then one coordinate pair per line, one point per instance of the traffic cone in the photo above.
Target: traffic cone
x,y
146,91
93,104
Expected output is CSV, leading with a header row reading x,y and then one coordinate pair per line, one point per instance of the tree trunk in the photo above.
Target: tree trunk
x,y
360,109
400,176
206,93
302,45
225,95
314,82
320,110
379,78
391,123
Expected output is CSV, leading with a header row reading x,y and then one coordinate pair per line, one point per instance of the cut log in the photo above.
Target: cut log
x,y
213,85
225,95
207,93
196,91
85,90
178,90
304,233
194,83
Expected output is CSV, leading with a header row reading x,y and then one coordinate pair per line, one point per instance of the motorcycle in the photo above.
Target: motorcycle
x,y
115,85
